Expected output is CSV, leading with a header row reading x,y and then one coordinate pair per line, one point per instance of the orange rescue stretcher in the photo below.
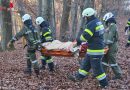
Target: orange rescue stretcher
x,y
64,53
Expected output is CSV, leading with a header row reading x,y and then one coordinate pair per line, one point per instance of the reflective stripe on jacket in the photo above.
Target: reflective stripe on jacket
x,y
93,34
30,36
46,35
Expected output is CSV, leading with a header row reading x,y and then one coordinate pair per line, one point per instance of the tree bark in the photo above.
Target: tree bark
x,y
47,11
104,6
98,7
7,24
83,4
74,11
65,20
53,19
0,28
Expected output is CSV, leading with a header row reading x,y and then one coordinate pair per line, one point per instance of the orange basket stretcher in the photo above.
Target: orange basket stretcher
x,y
65,53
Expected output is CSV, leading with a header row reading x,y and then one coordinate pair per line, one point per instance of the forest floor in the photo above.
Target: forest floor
x,y
13,63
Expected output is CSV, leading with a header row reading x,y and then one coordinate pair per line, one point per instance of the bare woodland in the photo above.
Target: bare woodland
x,y
65,20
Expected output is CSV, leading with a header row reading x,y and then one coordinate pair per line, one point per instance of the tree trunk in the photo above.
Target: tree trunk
x,y
83,4
53,19
44,9
40,7
7,24
47,11
104,7
74,18
21,8
98,7
0,28
65,20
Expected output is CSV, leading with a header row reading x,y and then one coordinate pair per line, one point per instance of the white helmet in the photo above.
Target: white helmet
x,y
108,16
88,12
26,17
39,20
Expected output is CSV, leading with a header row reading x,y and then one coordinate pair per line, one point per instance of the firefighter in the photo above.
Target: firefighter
x,y
45,36
111,41
93,35
127,30
31,36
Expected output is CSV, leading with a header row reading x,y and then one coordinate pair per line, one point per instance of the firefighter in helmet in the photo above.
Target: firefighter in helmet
x,y
111,41
45,36
93,35
31,36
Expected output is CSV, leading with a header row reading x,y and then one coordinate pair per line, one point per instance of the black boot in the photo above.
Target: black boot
x,y
76,77
51,66
43,66
37,71
28,70
103,83
117,77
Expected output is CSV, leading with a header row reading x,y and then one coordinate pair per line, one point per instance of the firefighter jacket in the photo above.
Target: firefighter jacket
x,y
93,34
30,34
46,35
111,37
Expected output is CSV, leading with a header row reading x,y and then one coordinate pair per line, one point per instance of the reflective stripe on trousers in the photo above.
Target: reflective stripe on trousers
x,y
112,65
83,72
94,62
101,76
95,52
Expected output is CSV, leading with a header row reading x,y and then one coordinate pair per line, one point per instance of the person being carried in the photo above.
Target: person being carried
x,y
45,36
31,36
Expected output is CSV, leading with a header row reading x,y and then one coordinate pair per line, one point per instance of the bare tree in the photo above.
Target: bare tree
x,y
65,19
74,12
7,24
83,4
53,19
104,7
47,11
98,7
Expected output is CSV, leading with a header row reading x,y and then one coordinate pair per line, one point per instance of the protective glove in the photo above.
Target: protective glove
x,y
83,47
